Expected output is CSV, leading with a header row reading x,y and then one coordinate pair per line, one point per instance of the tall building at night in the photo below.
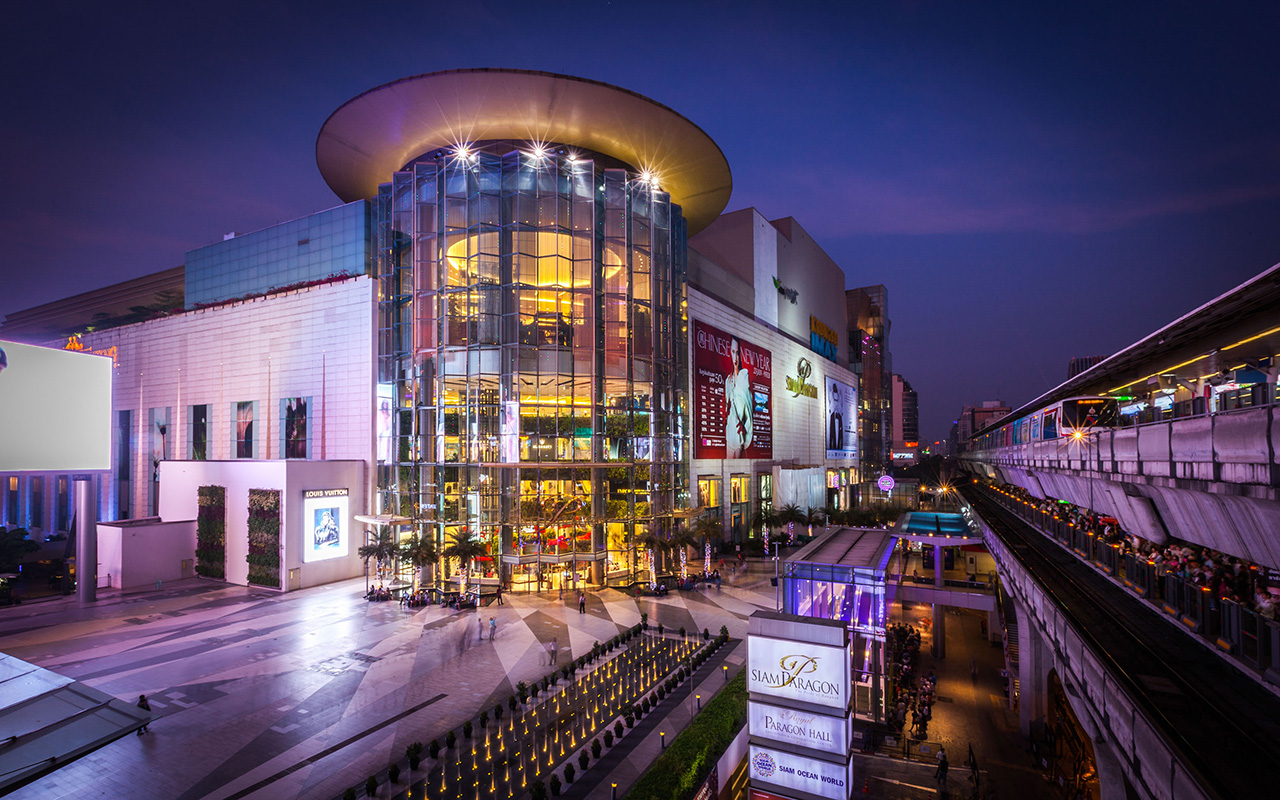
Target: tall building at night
x,y
905,409
1079,364
527,324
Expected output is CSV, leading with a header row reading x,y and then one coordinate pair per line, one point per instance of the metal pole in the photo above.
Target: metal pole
x,y
777,591
86,539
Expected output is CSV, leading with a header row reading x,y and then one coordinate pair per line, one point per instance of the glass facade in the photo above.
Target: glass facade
x,y
531,332
323,245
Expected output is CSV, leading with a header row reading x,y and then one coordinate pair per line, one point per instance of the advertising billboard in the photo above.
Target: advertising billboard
x,y
799,773
386,410
55,410
732,396
811,673
325,532
842,420
801,728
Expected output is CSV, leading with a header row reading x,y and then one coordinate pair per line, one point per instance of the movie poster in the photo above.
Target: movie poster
x,y
324,521
732,396
841,431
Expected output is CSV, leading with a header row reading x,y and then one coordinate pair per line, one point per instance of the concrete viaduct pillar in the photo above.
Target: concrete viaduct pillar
x,y
1034,662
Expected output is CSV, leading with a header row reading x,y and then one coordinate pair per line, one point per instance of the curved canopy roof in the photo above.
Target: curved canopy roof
x,y
380,131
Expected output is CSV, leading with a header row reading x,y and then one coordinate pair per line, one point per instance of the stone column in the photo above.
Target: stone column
x,y
939,649
1034,662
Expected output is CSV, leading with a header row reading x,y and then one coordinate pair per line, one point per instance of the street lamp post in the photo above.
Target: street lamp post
x,y
777,595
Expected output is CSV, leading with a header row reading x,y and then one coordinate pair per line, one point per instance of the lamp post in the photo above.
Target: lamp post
x,y
777,596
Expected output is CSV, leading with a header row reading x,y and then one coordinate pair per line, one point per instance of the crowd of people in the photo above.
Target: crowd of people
x,y
910,692
379,594
1226,576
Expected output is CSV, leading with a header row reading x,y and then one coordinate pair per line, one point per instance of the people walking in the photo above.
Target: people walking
x,y
493,628
554,654
941,774
479,630
145,706
582,602
500,594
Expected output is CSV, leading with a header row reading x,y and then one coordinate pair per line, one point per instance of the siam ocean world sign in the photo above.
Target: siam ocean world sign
x,y
803,728
790,771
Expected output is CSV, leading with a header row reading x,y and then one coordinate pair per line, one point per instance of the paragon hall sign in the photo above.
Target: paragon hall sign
x,y
802,728
799,679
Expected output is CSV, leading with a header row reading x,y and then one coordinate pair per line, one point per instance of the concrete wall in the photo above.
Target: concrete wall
x,y
137,554
799,460
180,481
315,342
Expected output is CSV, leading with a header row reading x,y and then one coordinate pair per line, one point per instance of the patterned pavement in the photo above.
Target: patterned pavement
x,y
262,695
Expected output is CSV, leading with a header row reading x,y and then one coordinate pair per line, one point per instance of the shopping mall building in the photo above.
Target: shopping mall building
x,y
529,322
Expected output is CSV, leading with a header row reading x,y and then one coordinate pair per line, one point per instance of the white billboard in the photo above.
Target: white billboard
x,y
811,673
55,410
325,532
841,431
789,771
802,728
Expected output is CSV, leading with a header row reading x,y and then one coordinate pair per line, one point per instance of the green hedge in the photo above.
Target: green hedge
x,y
688,760
264,537
211,532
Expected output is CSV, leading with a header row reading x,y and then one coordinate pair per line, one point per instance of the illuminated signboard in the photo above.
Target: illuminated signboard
x,y
325,532
811,673
799,773
55,410
802,728
799,385
822,339
842,420
732,396
386,414
886,483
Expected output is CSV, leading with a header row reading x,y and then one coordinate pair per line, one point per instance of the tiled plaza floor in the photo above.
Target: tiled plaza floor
x,y
262,695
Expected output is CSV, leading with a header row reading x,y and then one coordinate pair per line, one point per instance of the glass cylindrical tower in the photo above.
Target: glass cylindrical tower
x,y
532,329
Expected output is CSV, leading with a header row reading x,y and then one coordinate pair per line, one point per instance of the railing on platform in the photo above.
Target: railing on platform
x,y
1234,629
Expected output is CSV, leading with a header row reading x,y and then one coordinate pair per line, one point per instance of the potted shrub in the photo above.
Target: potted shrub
x,y
538,791
414,753
681,631
497,713
568,773
608,738
555,785
484,719
583,760
349,794
645,705
370,786
595,748
450,740
434,749
617,730
466,729
522,691
724,631
631,721
393,773
659,628
644,622
511,702
706,634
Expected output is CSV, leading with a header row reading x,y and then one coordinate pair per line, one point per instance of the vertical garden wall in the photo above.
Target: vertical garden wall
x,y
211,532
264,537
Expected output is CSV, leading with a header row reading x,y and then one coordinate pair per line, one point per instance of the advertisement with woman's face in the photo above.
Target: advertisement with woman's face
x,y
732,396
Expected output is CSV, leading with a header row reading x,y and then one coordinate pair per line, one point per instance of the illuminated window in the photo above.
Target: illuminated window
x,y
243,415
739,489
12,503
709,492
766,492
294,430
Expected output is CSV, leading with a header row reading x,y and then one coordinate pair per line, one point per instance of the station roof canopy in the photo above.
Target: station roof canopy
x,y
1230,332
379,132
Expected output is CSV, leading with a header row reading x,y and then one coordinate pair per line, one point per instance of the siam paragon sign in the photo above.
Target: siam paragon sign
x,y
811,673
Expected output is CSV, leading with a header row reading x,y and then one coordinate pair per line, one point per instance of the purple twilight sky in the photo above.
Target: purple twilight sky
x,y
1030,182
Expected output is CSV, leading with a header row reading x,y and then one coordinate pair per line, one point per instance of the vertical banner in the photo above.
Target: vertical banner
x,y
732,396
842,420
385,425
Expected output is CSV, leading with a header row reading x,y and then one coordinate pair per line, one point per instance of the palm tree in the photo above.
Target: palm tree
x,y
767,519
682,538
816,516
419,553
789,515
382,549
14,544
465,549
707,528
652,540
